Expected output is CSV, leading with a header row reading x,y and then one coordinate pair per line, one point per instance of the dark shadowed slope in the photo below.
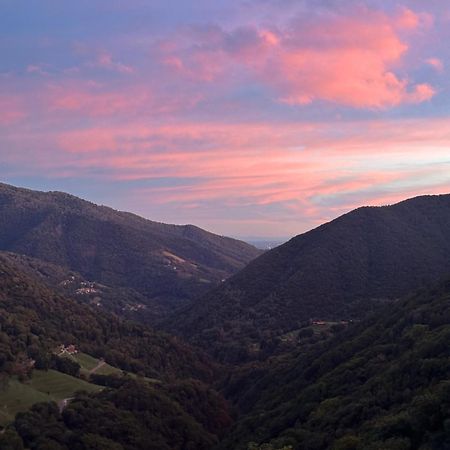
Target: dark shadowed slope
x,y
332,272
381,384
167,263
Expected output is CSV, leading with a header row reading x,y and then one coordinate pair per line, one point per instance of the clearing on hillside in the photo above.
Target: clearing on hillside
x,y
45,386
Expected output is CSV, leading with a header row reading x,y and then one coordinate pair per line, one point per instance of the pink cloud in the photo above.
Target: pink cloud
x,y
208,107
436,63
37,69
11,109
409,20
349,60
305,170
89,99
95,102
289,140
199,66
209,53
105,60
270,164
101,58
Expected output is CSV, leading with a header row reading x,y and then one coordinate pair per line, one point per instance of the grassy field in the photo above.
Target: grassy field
x,y
59,385
108,370
46,386
18,397
43,387
88,362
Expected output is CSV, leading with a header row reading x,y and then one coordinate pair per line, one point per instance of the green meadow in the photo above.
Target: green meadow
x,y
88,363
45,386
51,385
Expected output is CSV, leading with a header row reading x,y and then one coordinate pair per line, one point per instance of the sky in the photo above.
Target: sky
x,y
245,117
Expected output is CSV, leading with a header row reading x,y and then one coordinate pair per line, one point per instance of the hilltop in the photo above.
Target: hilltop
x,y
167,264
338,271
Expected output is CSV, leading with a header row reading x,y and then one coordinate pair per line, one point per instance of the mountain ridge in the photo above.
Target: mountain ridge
x,y
169,264
337,271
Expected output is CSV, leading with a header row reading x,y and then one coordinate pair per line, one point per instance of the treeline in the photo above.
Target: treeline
x,y
134,416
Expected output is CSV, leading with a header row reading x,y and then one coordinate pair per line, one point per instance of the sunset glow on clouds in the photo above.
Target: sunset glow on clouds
x,y
247,118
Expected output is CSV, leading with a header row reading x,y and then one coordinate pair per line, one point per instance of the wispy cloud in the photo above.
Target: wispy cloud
x,y
11,109
305,170
436,63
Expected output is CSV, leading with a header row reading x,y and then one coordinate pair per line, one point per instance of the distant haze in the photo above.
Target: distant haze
x,y
265,243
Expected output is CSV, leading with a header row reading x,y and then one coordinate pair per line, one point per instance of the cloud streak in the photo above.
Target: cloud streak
x,y
304,169
11,109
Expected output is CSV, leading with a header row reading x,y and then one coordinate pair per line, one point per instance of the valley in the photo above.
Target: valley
x,y
225,225
43,387
337,339
360,262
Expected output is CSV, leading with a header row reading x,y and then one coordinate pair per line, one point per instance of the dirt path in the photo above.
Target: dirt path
x,y
100,364
62,404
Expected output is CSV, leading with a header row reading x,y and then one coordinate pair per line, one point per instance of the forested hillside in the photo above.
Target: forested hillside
x,y
34,319
382,384
132,416
168,264
300,377
123,301
338,271
164,401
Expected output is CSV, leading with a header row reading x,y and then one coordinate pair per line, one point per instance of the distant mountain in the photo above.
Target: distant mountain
x,y
381,384
340,270
265,243
165,263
